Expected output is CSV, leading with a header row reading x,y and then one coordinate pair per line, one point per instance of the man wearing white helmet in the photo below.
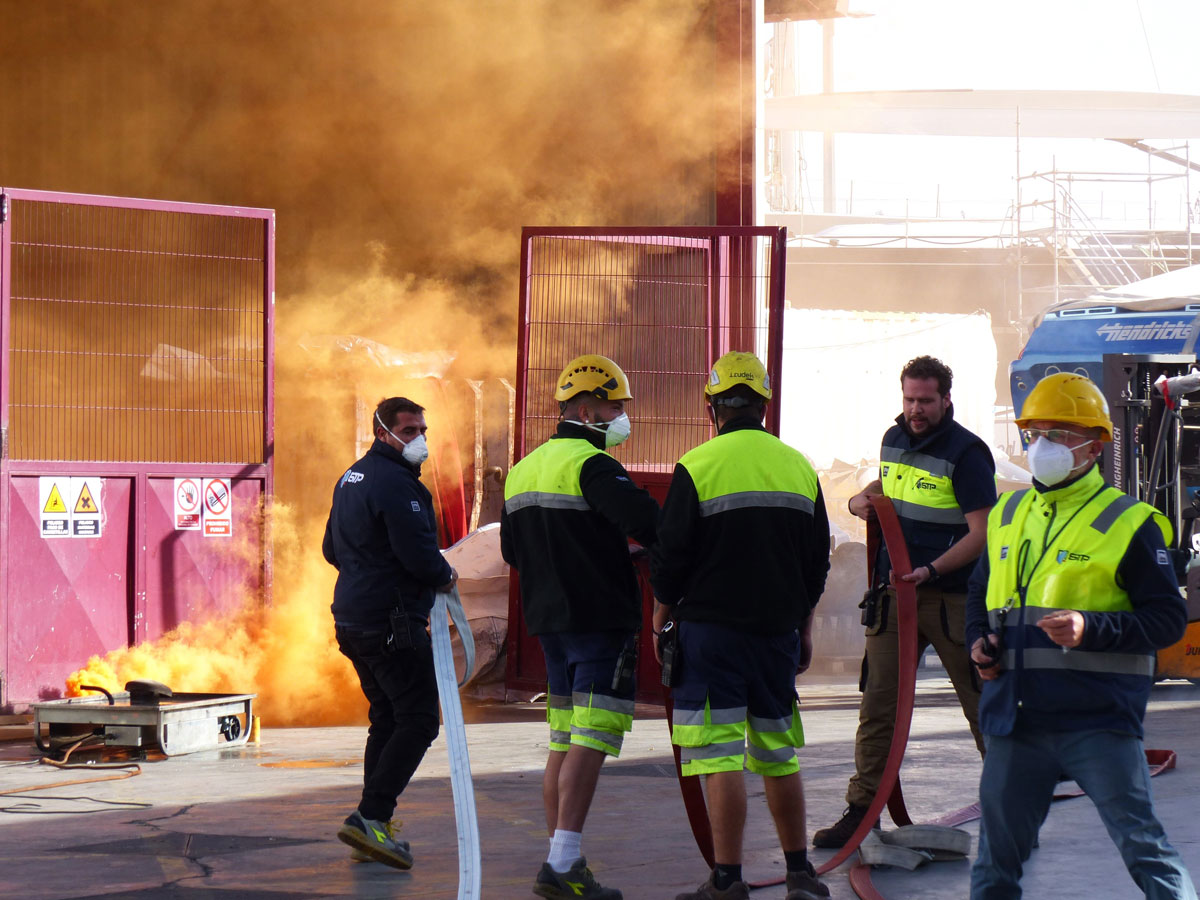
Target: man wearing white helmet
x,y
569,509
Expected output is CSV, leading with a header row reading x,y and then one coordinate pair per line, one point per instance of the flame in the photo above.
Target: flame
x,y
280,650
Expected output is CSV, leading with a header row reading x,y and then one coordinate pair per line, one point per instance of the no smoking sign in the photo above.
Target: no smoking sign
x,y
217,517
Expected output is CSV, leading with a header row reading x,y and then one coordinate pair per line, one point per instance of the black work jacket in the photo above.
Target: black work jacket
x,y
573,558
382,538
754,561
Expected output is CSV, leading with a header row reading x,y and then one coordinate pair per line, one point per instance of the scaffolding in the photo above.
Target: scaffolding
x,y
1087,256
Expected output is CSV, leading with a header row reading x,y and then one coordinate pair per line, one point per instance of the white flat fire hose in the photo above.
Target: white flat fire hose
x,y
466,823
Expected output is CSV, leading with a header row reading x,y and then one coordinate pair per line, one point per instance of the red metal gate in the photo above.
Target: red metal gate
x,y
664,304
136,371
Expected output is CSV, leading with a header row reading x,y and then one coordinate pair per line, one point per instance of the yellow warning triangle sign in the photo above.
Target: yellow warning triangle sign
x,y
54,503
85,503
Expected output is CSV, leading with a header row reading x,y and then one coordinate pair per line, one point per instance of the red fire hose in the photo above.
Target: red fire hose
x,y
906,686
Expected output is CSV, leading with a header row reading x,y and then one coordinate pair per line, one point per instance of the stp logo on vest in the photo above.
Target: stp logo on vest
x,y
1072,556
923,485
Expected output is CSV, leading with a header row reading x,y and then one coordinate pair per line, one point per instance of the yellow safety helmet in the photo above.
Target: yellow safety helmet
x,y
738,367
592,374
1067,397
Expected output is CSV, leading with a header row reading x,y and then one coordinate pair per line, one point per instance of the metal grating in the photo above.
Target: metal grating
x,y
136,334
663,304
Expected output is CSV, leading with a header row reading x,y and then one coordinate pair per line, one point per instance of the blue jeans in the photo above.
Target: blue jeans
x,y
1019,775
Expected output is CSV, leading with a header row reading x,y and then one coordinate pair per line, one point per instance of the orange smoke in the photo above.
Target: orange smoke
x,y
284,650
403,147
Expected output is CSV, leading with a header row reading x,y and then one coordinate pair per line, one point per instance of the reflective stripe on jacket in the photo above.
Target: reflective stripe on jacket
x,y
917,475
568,507
549,477
767,473
744,538
1064,547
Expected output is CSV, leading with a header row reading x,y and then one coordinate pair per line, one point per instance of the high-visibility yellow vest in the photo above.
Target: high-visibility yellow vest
x,y
920,482
1063,549
767,473
549,477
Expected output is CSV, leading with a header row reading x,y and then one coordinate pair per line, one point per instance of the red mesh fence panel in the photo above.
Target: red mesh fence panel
x,y
663,305
136,334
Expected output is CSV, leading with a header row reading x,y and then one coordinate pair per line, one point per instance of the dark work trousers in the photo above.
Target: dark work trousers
x,y
940,622
402,690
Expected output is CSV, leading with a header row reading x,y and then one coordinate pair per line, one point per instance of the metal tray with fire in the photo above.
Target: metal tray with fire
x,y
145,715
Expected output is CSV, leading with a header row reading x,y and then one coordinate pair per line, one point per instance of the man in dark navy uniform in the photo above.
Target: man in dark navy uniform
x,y
382,539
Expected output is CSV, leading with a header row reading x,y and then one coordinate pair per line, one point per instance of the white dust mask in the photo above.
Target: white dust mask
x,y
617,431
1051,463
415,451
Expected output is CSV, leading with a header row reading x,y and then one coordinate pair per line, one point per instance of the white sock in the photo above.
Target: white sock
x,y
564,849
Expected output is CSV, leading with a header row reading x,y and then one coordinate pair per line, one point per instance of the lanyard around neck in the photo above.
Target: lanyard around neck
x,y
1025,576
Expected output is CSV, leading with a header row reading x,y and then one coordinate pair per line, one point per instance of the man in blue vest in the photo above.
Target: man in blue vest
x,y
941,480
568,509
741,562
1065,612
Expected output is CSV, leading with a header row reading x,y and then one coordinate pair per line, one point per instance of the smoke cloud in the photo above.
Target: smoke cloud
x,y
403,146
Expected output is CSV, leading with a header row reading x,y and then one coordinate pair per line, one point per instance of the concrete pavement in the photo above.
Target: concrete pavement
x,y
259,821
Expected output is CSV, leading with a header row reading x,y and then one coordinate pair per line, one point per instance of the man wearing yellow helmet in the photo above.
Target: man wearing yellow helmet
x,y
568,509
940,478
741,562
1065,611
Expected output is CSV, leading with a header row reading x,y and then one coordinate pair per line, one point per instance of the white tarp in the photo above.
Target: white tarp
x,y
841,376
483,586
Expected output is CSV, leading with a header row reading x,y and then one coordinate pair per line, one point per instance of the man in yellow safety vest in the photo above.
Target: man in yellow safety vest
x,y
941,480
568,509
741,562
1065,611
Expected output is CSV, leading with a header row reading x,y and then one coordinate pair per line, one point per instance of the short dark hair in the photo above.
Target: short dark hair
x,y
387,410
588,397
746,402
928,367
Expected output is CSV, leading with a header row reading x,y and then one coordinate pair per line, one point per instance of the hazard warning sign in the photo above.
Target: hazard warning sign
x,y
56,518
85,514
217,514
86,503
54,503
71,507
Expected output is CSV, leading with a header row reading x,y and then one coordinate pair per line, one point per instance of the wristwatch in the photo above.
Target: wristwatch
x,y
933,574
